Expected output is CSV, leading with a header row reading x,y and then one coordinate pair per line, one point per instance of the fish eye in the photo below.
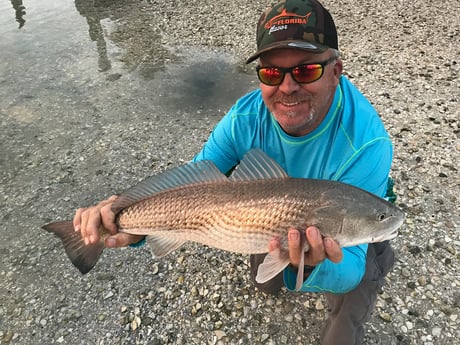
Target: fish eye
x,y
381,216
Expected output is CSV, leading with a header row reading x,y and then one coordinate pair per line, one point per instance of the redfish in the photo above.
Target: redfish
x,y
240,213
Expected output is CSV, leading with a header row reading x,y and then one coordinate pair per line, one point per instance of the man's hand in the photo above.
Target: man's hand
x,y
88,220
320,248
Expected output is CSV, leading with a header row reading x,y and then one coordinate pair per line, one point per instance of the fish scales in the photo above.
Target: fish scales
x,y
241,214
235,216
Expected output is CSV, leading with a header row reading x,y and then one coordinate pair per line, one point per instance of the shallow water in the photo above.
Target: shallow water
x,y
52,53
70,69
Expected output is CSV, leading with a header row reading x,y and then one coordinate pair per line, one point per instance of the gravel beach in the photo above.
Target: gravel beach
x,y
85,129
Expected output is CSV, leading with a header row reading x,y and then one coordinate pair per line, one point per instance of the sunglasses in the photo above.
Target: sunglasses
x,y
303,74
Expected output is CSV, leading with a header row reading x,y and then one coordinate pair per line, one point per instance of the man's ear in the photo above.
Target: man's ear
x,y
338,69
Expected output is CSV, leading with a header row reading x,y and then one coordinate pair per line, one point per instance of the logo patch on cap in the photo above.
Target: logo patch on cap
x,y
286,18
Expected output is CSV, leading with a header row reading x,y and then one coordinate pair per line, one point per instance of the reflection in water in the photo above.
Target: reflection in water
x,y
20,12
88,9
139,41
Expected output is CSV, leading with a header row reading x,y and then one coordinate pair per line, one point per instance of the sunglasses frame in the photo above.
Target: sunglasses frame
x,y
289,70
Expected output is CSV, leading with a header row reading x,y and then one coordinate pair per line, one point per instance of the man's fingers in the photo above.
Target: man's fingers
x,y
88,220
112,198
316,253
93,224
319,248
121,239
333,250
77,219
108,218
273,245
83,221
294,245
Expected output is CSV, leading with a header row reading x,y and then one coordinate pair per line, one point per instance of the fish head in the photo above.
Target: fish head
x,y
358,219
370,223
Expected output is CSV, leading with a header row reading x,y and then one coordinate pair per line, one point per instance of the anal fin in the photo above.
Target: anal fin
x,y
162,246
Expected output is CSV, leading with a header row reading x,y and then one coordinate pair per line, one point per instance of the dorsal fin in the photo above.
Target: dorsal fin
x,y
192,173
256,165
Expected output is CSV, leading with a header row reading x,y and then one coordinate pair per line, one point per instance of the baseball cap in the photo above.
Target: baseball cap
x,y
295,24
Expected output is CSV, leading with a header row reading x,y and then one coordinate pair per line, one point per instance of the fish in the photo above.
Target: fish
x,y
240,213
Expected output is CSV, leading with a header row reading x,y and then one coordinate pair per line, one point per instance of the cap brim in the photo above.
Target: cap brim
x,y
300,45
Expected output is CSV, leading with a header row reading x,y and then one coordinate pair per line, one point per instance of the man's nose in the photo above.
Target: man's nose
x,y
289,85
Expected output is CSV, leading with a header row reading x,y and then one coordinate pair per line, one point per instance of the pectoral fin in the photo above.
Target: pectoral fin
x,y
274,263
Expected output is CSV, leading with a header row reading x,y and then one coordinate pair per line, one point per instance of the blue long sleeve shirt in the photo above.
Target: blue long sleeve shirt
x,y
350,145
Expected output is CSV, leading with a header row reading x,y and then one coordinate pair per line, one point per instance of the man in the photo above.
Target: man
x,y
315,124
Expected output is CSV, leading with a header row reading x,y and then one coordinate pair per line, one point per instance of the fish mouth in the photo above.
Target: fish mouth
x,y
386,237
392,235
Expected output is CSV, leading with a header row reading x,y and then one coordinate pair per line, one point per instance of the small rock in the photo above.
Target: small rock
x,y
289,318
7,337
422,280
264,337
385,317
319,305
219,334
147,321
405,272
136,323
409,325
436,331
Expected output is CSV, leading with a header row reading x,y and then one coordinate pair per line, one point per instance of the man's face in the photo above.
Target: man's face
x,y
300,108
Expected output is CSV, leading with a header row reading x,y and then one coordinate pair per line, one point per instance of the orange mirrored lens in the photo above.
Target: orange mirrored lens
x,y
271,75
307,73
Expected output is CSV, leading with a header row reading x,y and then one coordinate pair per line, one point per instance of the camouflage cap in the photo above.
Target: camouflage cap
x,y
295,24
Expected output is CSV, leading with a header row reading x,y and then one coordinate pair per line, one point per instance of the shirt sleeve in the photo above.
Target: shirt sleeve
x,y
333,277
219,148
236,133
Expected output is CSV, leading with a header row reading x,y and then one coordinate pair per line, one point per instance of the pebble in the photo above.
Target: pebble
x,y
220,334
436,331
385,317
7,337
319,305
264,337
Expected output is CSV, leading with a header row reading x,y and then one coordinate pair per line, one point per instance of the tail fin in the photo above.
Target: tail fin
x,y
84,257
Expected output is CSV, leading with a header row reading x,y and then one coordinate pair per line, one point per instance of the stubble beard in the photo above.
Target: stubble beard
x,y
308,117
306,121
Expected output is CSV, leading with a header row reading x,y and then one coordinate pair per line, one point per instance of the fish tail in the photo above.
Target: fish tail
x,y
83,256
